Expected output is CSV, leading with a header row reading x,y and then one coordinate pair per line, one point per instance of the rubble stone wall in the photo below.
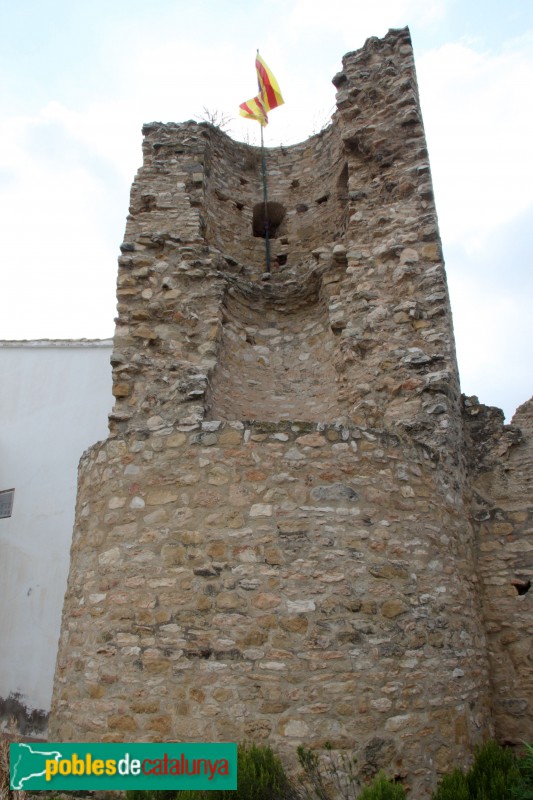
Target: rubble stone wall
x,y
311,575
275,359
501,467
308,180
283,581
371,241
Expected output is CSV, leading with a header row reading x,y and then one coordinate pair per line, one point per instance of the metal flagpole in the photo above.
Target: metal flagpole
x,y
269,97
265,198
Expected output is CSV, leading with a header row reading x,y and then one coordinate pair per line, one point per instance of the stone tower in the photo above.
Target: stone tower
x,y
273,542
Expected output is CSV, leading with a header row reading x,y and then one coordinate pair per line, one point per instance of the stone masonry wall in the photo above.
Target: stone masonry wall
x,y
285,582
375,248
501,461
276,541
308,180
275,362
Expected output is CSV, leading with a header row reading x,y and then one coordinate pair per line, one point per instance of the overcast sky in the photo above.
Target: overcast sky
x,y
78,79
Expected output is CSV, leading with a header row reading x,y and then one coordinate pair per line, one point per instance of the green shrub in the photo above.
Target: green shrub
x,y
261,775
383,789
494,775
524,791
453,787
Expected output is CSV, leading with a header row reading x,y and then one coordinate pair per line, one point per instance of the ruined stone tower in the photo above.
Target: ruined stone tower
x,y
274,541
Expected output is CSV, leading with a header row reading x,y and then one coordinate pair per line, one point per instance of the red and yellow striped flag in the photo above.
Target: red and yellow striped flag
x,y
254,109
269,96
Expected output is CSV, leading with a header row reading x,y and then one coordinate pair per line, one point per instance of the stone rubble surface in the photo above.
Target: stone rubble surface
x,y
297,531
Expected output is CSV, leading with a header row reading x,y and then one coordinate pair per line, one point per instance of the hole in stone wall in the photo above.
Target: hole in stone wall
x,y
342,184
275,214
521,585
148,202
323,199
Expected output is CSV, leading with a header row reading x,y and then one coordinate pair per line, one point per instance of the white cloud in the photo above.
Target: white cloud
x,y
494,341
55,248
355,21
479,126
175,80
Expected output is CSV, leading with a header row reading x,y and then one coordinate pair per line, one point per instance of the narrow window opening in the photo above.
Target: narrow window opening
x,y
6,503
342,184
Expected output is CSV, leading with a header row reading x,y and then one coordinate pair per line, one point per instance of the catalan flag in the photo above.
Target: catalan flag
x,y
254,109
269,96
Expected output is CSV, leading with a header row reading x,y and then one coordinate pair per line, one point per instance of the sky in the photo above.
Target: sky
x,y
79,79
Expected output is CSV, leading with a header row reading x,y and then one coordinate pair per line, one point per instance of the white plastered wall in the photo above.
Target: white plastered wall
x,y
55,397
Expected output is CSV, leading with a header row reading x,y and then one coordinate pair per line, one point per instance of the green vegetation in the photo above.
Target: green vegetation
x,y
524,790
261,775
494,775
382,788
497,773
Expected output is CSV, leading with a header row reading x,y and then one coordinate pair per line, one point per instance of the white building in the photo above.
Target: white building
x,y
55,397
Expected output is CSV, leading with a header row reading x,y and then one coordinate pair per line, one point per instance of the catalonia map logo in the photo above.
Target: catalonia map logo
x,y
89,767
